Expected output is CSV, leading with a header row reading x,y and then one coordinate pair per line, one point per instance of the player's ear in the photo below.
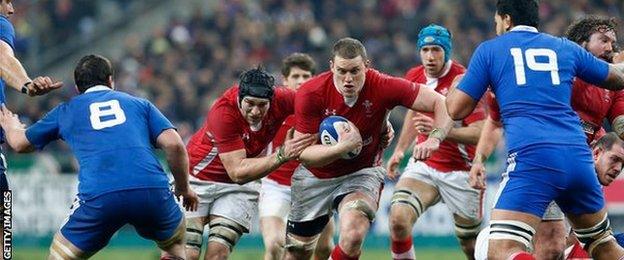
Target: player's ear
x,y
111,83
507,22
596,152
367,63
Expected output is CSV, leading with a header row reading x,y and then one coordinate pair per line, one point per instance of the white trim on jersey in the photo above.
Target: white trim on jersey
x,y
206,161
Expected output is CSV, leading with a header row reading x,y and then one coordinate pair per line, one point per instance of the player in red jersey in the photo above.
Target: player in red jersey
x,y
228,155
444,176
325,181
274,203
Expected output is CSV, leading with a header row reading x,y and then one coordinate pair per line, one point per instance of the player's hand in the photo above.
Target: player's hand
x,y
349,137
422,123
393,164
387,137
618,57
8,119
42,85
190,200
423,150
293,147
477,176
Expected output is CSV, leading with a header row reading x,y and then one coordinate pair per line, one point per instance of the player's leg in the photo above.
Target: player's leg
x,y
481,244
550,236
156,216
594,230
273,207
413,194
89,227
466,204
325,243
511,233
230,217
196,221
358,197
309,214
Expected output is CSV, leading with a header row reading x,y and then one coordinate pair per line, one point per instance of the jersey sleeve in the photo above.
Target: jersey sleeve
x,y
157,122
398,91
476,79
45,130
589,68
227,134
617,106
7,32
307,115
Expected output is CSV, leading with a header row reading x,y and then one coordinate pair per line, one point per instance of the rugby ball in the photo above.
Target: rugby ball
x,y
329,134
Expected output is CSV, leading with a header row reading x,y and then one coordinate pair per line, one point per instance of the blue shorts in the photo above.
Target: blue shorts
x,y
153,212
539,175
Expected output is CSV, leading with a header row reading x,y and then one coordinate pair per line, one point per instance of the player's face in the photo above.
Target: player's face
x,y
608,163
349,75
6,8
600,44
503,23
296,77
254,109
432,57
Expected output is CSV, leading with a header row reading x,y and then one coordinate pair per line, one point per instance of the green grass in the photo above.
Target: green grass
x,y
242,254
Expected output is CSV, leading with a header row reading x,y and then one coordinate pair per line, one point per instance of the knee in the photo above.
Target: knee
x,y
274,243
217,250
352,237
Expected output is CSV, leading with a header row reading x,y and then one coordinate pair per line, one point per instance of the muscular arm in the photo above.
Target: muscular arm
x,y
430,101
243,170
318,155
177,158
11,70
615,78
408,132
467,134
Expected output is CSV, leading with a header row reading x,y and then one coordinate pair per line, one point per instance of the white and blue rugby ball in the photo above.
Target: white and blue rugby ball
x,y
329,134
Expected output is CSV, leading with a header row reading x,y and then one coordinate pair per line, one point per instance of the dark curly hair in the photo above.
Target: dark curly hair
x,y
582,29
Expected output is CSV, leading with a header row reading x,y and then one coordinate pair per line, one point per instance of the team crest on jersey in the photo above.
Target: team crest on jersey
x,y
245,137
368,106
330,112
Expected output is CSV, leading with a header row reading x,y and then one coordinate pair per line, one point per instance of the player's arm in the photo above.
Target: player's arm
x,y
615,78
14,74
242,169
490,136
428,100
14,131
177,158
406,138
466,135
318,155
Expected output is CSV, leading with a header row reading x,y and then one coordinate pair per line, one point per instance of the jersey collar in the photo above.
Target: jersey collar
x,y
97,88
524,28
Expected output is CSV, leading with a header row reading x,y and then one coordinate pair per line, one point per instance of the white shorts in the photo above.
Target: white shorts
x,y
235,202
274,199
313,197
454,189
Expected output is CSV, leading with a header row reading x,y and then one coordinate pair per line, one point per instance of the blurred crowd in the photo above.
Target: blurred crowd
x,y
184,66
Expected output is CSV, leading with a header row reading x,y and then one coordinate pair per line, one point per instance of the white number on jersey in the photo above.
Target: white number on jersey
x,y
106,114
530,55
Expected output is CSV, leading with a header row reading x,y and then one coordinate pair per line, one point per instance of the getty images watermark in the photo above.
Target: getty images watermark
x,y
7,224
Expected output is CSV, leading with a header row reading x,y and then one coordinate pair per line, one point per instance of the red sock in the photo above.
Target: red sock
x,y
521,256
338,254
402,249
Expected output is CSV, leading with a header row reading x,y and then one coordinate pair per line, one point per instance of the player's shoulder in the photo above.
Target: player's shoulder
x,y
415,72
316,84
456,68
5,22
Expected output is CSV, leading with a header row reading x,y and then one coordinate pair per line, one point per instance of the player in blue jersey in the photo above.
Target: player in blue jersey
x,y
13,74
531,74
121,181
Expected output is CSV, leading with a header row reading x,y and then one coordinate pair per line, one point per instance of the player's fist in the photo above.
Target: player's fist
x,y
422,123
423,150
393,164
294,146
42,85
190,200
477,175
349,137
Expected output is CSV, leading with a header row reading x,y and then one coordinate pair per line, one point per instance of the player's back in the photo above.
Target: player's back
x,y
531,75
112,135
